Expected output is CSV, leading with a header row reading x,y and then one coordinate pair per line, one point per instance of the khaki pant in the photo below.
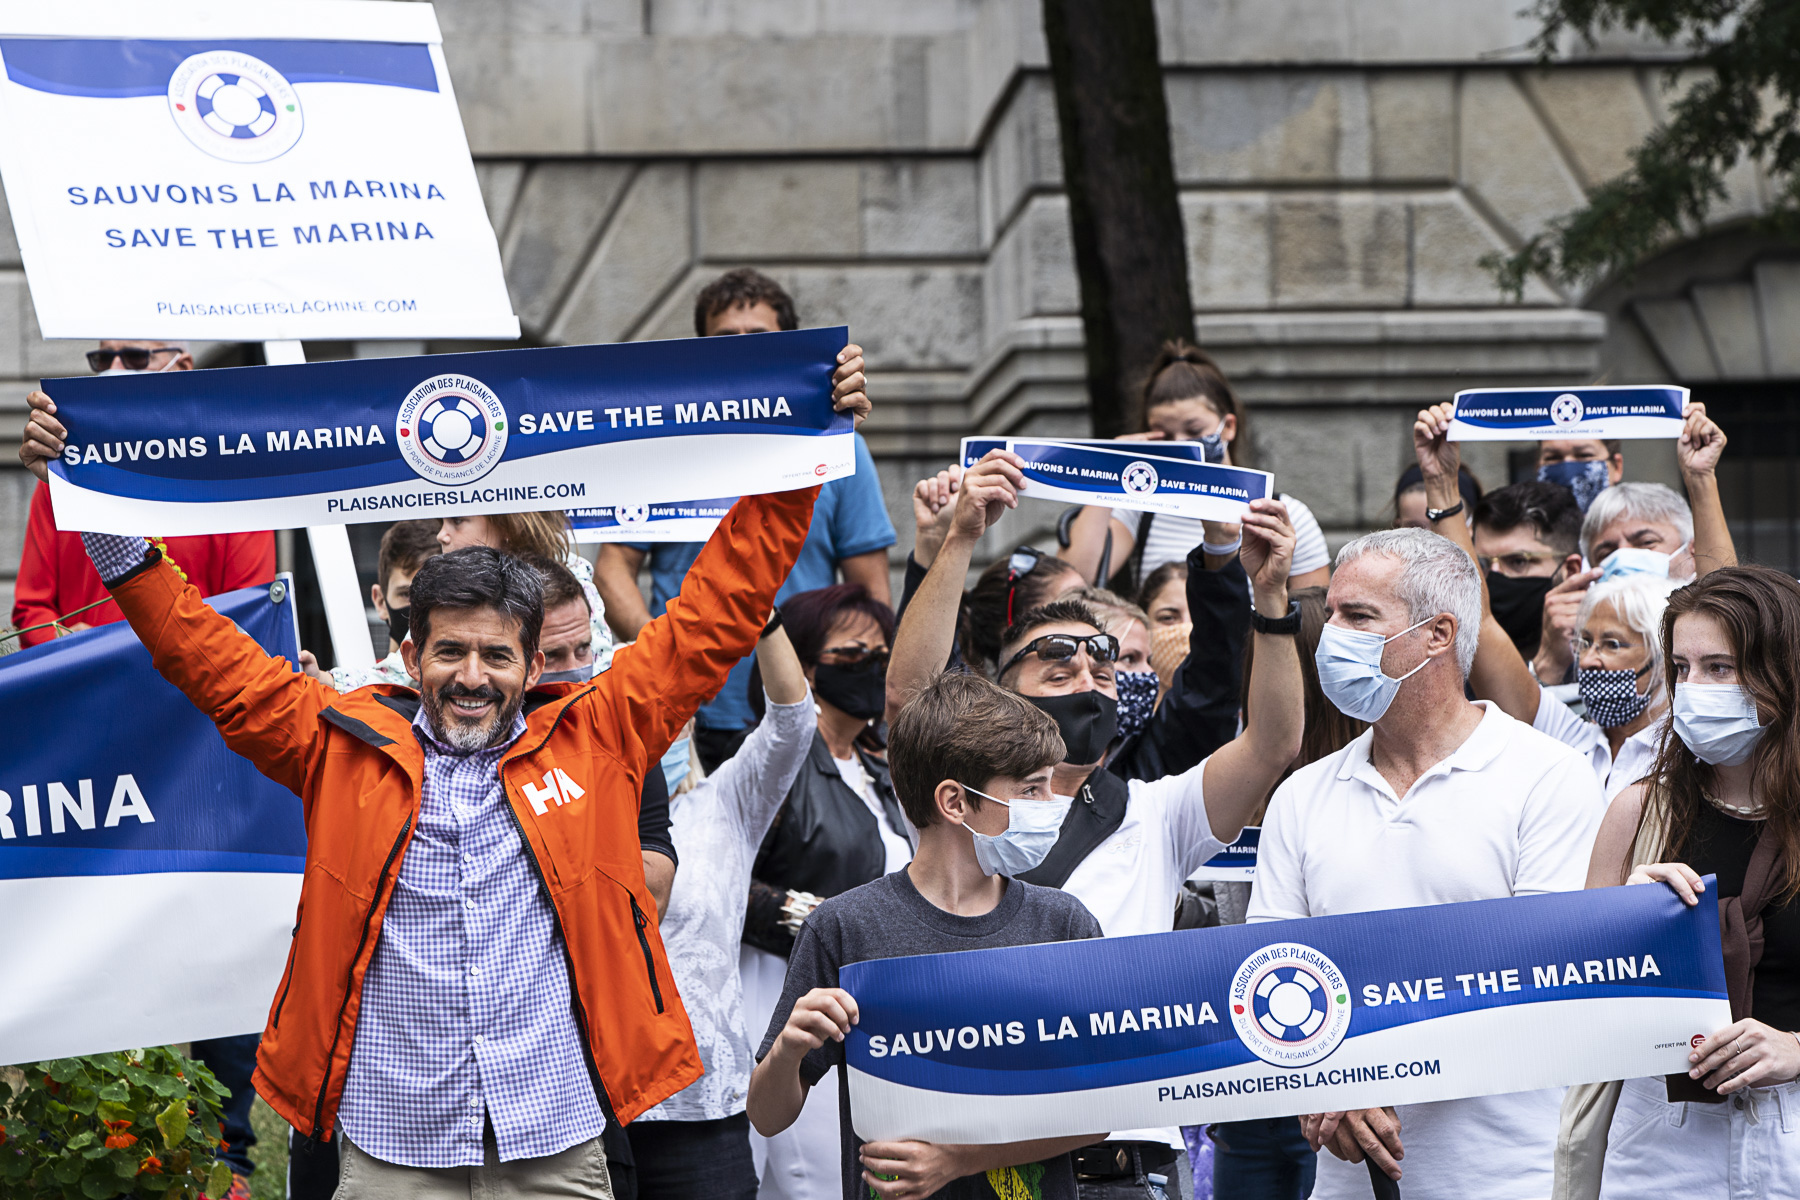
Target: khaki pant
x,y
578,1173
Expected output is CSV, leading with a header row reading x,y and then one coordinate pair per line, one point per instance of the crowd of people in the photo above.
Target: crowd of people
x,y
766,774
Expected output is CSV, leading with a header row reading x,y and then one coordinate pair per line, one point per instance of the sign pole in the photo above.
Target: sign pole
x,y
333,562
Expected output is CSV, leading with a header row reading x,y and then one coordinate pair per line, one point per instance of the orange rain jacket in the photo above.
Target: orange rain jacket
x,y
572,779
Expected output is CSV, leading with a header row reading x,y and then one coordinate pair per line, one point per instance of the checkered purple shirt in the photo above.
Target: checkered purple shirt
x,y
466,1010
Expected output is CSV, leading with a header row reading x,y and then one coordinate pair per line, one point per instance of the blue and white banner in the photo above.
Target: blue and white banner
x,y
1173,479
1533,414
974,449
149,875
269,171
683,521
1236,863
445,435
1246,1021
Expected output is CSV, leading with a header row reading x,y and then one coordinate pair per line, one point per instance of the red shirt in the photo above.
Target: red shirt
x,y
55,576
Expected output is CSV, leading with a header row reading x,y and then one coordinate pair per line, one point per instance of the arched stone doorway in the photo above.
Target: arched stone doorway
x,y
1721,315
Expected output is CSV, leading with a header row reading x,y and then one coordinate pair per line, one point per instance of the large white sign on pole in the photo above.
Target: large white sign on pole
x,y
243,172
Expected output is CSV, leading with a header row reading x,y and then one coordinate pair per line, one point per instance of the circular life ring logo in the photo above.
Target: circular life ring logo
x,y
451,429
1567,409
235,106
1139,478
632,514
1290,1005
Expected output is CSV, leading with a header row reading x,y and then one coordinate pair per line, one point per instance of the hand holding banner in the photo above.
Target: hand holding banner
x,y
448,435
1532,414
1248,1021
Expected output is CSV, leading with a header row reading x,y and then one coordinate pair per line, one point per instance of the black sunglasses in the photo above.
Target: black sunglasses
x,y
1059,647
1023,562
135,358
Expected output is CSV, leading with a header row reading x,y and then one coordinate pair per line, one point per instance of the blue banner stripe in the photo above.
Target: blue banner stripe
x,y
113,68
1508,408
34,862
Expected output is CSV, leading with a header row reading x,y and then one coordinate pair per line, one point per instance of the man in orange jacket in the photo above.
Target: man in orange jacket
x,y
473,947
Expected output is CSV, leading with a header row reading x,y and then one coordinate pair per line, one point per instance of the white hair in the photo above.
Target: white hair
x,y
1645,501
1439,578
1640,600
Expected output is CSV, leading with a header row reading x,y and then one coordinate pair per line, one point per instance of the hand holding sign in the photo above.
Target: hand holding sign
x,y
989,488
42,440
847,384
1439,458
1368,1133
1268,553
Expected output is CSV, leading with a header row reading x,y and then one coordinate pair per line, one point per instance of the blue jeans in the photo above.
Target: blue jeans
x,y
686,1160
1262,1160
231,1060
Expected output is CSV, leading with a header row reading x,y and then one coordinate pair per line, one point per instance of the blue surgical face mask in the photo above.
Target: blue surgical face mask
x,y
1032,827
1586,478
1350,674
1633,560
1718,722
675,763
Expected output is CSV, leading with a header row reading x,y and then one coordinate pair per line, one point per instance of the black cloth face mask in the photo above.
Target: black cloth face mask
x,y
1518,605
1087,720
397,623
859,691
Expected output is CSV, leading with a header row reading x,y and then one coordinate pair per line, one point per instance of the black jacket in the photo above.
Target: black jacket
x,y
824,841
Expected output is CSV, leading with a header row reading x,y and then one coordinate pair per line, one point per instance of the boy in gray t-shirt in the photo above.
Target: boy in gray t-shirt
x,y
971,763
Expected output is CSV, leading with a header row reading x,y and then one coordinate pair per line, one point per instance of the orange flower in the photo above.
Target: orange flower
x,y
223,1144
150,1166
121,1141
2,1135
116,1126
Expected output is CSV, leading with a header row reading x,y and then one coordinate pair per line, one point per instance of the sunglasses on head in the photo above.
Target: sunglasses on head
x,y
135,358
1023,562
1060,647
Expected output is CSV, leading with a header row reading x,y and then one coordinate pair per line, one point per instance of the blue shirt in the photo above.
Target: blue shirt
x,y
466,1008
850,518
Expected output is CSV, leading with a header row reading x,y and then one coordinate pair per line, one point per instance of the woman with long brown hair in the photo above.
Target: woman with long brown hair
x,y
1722,800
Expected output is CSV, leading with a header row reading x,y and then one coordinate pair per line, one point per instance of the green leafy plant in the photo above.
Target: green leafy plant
x,y
1742,102
138,1123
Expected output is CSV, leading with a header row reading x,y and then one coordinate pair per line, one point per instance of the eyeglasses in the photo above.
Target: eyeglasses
x,y
135,358
855,655
1023,562
1060,647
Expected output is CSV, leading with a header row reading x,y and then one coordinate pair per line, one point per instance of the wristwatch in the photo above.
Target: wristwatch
x,y
1289,624
1434,515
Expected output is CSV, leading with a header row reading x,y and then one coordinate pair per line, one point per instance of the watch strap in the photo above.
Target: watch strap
x,y
1288,625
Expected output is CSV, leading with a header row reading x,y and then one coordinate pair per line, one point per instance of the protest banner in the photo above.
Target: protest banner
x,y
1172,479
683,521
1247,1021
149,875
1236,863
976,448
1533,414
270,172
449,434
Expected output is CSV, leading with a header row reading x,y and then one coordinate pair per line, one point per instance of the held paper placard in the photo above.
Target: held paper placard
x,y
1276,1019
243,172
1533,414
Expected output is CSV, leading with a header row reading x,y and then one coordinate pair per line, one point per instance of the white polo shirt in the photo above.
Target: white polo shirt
x,y
1131,881
1511,812
1637,753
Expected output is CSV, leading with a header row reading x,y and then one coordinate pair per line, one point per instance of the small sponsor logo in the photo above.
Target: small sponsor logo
x,y
819,470
1696,1040
1567,409
1290,1005
1139,478
234,106
451,429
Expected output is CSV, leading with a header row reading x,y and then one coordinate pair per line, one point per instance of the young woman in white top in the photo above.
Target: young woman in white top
x,y
1187,399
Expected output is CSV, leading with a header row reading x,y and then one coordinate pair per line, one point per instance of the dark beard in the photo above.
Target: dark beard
x,y
470,739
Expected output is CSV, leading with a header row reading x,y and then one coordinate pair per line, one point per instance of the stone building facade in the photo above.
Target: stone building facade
x,y
1343,166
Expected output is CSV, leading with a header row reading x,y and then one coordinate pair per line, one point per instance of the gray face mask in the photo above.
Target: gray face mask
x,y
572,675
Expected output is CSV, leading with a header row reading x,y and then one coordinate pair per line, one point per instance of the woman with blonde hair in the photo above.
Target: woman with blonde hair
x,y
1723,799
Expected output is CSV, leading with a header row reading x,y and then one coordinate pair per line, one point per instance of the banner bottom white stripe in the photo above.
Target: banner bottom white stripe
x,y
1518,1048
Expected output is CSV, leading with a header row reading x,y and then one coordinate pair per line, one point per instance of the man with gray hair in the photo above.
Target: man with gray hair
x,y
1441,800
1650,522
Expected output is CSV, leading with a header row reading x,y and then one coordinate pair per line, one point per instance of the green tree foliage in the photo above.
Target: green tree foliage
x,y
144,1123
1743,104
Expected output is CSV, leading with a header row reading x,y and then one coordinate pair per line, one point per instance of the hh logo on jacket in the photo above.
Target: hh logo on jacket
x,y
557,788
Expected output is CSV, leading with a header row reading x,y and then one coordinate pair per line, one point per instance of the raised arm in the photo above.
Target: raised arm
x,y
1499,674
615,578
1698,450
927,631
1239,775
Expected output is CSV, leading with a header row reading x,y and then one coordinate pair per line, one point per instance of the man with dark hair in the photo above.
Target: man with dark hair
x,y
850,533
973,767
405,545
476,990
1525,538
